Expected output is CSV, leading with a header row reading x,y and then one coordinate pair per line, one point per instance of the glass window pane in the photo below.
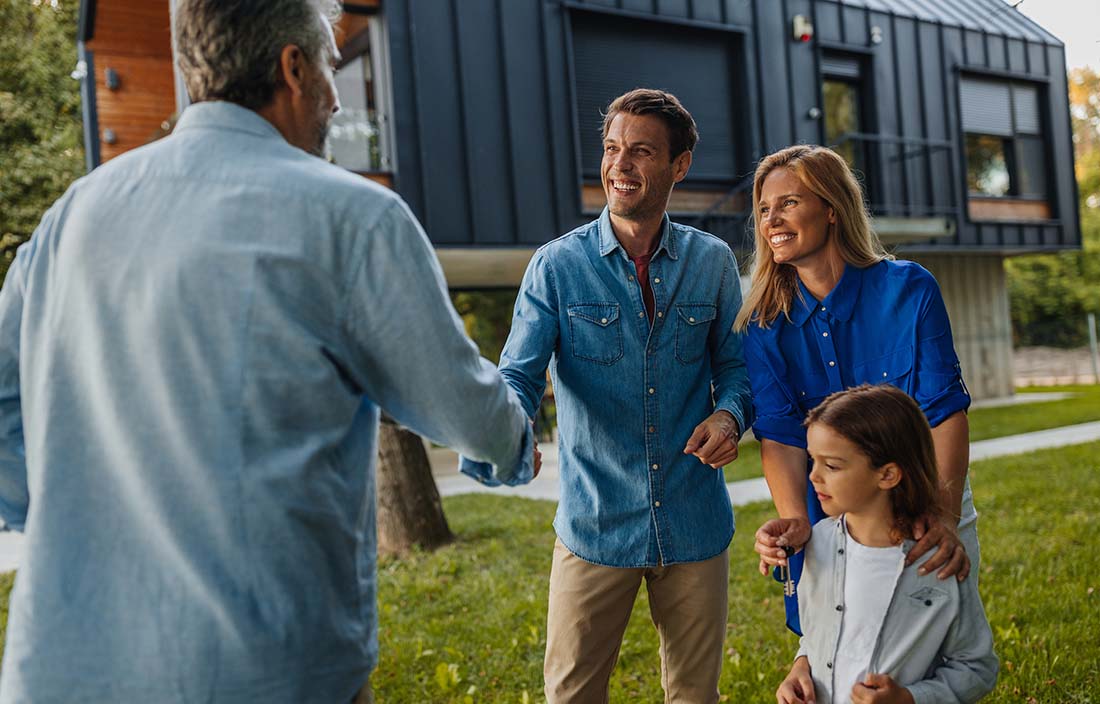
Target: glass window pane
x,y
842,118
1031,165
353,135
986,166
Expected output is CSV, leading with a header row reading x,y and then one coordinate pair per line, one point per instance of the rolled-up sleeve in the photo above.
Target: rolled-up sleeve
x,y
729,372
938,385
776,417
526,354
413,358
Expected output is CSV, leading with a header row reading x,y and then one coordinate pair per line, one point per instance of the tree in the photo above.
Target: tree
x,y
41,150
1051,294
410,512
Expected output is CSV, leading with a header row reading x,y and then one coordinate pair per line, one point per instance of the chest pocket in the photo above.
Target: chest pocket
x,y
893,368
692,326
595,332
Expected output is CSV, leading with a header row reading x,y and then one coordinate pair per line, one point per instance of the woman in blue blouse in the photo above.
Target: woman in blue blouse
x,y
830,309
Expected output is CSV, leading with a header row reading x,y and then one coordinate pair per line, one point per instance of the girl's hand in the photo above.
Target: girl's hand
x,y
880,689
798,687
773,535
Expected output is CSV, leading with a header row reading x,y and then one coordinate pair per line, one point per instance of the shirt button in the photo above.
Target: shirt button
x,y
641,314
660,314
884,375
652,429
657,504
803,393
824,334
657,280
822,309
630,277
652,390
691,320
655,467
603,320
829,665
839,607
832,364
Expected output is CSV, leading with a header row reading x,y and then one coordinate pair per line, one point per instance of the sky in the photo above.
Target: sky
x,y
1075,22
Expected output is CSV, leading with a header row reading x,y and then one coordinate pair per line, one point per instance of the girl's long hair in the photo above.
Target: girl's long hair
x,y
888,426
826,175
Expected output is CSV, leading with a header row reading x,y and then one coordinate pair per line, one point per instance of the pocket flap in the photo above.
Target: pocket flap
x,y
697,313
602,314
886,368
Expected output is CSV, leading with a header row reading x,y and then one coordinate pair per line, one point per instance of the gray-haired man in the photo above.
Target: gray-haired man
x,y
194,347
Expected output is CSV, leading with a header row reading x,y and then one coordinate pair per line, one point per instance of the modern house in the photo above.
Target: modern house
x,y
484,115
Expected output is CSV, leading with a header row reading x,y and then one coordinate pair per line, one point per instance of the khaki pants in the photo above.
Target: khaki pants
x,y
589,609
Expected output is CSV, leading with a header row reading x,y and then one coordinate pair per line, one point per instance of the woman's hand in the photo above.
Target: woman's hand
x,y
798,687
880,689
777,533
950,554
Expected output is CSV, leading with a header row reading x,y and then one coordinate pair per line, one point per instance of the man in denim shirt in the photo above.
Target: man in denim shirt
x,y
633,314
194,348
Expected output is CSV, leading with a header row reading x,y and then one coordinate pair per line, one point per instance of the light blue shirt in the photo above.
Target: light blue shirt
x,y
628,393
194,347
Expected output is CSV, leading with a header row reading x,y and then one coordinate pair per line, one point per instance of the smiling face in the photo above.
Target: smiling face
x,y
637,171
795,222
842,475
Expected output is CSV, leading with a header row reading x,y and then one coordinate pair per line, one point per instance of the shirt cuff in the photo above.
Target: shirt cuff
x,y
521,471
779,432
738,415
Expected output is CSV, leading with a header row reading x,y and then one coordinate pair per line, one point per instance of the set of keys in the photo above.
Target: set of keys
x,y
785,573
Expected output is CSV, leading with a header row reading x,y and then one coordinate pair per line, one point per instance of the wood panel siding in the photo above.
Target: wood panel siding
x,y
683,200
135,40
1007,209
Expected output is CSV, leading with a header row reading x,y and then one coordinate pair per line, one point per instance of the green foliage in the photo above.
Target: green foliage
x,y
1051,294
1000,421
41,140
488,318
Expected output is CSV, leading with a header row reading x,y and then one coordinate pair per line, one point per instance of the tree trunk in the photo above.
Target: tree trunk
x,y
409,510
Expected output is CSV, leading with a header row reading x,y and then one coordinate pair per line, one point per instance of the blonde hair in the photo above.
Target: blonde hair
x,y
826,175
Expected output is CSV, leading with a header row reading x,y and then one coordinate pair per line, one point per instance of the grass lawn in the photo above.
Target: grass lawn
x,y
985,423
466,624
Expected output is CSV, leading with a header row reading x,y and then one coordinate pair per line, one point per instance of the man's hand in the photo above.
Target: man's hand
x,y
776,533
714,441
798,687
950,553
880,689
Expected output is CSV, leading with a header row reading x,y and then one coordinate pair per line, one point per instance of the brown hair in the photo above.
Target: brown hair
x,y
826,175
682,135
888,426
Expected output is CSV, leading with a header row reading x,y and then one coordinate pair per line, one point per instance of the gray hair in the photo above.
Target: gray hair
x,y
229,49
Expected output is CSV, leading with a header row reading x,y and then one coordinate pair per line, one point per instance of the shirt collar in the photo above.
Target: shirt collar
x,y
842,528
219,114
609,242
840,303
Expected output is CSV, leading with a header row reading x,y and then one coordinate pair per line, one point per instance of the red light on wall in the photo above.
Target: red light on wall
x,y
801,28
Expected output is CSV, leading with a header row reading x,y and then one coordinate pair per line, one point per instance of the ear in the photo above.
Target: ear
x,y
889,476
292,69
680,166
832,216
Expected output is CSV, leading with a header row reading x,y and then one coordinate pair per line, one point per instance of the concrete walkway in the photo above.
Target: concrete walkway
x,y
743,492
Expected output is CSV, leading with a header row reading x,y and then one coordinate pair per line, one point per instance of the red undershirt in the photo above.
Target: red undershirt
x,y
641,266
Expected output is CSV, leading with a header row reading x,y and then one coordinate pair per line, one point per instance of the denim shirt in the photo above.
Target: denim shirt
x,y
194,348
630,393
934,639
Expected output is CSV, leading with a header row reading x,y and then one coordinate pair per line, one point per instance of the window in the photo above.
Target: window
x,y
359,138
842,78
1005,153
613,55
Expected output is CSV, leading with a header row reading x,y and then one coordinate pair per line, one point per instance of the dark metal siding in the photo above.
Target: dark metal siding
x,y
487,143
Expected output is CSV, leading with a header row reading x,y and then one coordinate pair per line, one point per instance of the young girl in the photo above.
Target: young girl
x,y
873,629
